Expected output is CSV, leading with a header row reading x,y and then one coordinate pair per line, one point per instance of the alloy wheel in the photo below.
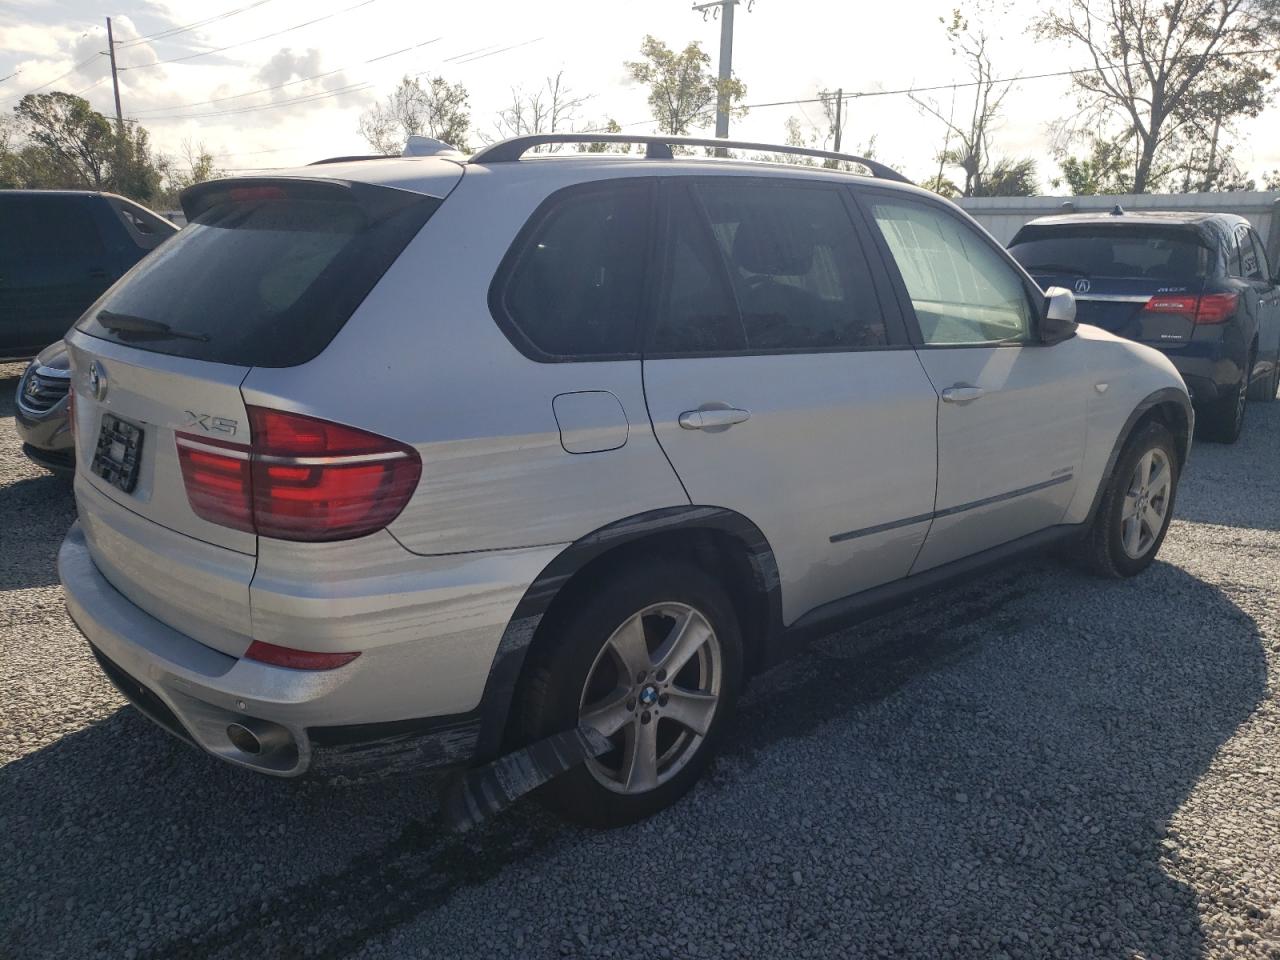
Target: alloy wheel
x,y
1146,503
653,691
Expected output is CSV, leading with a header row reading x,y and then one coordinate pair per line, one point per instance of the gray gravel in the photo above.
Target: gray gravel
x,y
1039,764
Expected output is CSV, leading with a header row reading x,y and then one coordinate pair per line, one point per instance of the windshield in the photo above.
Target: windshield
x,y
262,277
1112,251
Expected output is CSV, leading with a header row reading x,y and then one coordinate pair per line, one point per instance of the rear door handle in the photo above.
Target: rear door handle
x,y
962,393
713,419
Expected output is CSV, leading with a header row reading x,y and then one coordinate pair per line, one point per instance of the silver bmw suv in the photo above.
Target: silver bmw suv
x,y
414,462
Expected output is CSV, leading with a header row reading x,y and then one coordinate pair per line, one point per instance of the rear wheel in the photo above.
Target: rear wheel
x,y
1136,508
653,662
1222,420
1265,388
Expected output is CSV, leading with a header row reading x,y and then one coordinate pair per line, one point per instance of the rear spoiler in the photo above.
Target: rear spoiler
x,y
375,200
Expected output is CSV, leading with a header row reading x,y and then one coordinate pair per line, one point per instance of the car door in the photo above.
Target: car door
x,y
781,383
1012,417
54,265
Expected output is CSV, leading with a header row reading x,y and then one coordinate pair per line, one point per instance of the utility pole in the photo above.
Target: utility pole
x,y
839,118
725,10
115,79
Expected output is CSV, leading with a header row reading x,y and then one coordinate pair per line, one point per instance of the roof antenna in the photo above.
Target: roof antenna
x,y
1117,211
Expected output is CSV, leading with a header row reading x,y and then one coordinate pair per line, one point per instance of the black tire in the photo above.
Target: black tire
x,y
556,683
1102,550
1222,420
1265,389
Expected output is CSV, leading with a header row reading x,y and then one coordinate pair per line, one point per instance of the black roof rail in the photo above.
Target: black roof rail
x,y
659,148
350,159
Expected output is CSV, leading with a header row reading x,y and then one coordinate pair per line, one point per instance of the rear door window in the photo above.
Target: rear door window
x,y
571,288
265,274
49,226
1256,263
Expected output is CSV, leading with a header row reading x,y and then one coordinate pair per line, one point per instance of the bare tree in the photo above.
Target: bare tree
x,y
551,108
439,110
971,134
1167,75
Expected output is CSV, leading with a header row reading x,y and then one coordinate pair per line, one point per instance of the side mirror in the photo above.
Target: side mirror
x,y
1058,319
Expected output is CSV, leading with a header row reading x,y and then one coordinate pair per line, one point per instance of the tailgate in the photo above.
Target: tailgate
x,y
1156,312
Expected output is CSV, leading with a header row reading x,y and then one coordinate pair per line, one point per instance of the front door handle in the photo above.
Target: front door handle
x,y
713,419
962,393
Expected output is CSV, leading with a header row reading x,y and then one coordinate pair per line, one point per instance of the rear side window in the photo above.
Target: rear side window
x,y
1112,251
571,288
1260,252
265,274
762,267
33,226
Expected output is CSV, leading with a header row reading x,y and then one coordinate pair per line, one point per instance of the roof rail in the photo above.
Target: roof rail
x,y
659,148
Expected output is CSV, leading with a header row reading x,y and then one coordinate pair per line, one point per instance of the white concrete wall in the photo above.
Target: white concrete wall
x,y
1004,215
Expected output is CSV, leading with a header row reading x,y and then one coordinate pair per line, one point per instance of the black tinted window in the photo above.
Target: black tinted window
x,y
698,312
575,288
1111,251
1252,257
795,265
47,226
265,275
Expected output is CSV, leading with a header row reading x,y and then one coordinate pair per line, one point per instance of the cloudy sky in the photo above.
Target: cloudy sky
x,y
327,60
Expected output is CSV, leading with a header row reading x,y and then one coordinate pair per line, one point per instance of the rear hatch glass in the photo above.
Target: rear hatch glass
x,y
1139,281
265,273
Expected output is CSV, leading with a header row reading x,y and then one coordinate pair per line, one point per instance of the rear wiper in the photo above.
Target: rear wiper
x,y
1055,268
141,326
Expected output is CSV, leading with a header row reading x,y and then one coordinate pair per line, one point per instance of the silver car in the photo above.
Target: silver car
x,y
413,462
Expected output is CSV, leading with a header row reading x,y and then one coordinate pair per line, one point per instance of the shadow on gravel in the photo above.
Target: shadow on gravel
x,y
990,771
8,393
38,513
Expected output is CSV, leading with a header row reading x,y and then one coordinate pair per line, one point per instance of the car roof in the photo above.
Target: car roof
x,y
436,175
1136,217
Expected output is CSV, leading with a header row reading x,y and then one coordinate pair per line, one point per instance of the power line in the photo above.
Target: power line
x,y
245,43
173,31
290,83
60,76
494,53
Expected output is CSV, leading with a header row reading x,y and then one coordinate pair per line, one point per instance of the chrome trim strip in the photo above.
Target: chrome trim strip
x,y
332,461
232,452
985,501
949,511
880,528
1125,297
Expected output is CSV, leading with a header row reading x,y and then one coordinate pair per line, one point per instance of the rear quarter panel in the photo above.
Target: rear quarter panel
x,y
1121,375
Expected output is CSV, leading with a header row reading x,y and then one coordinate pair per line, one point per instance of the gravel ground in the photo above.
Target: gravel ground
x,y
1038,764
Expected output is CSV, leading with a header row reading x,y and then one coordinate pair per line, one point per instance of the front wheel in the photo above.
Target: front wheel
x,y
1136,508
653,662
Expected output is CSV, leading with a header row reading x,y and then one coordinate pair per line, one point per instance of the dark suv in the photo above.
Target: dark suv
x,y
1196,286
59,250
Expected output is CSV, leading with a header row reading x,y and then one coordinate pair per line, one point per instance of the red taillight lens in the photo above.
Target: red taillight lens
x,y
315,480
217,478
1172,304
1217,307
301,479
279,656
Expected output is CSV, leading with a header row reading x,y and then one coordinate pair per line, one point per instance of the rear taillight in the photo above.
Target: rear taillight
x,y
279,656
1209,308
1217,307
300,479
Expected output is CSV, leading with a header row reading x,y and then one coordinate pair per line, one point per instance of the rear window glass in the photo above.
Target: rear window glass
x,y
1109,251
263,276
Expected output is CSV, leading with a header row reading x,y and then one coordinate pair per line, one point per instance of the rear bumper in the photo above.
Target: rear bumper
x,y
376,714
1210,366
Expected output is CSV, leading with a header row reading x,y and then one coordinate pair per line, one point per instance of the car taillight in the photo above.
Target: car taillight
x,y
279,656
1206,309
301,478
1217,307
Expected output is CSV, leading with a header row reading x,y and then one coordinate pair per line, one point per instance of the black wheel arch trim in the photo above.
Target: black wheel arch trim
x,y
508,661
1148,403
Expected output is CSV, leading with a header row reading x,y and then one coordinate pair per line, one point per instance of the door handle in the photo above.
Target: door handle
x,y
713,419
962,393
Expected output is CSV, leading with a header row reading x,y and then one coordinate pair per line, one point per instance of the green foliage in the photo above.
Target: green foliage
x,y
1010,178
683,89
57,140
196,166
440,110
1105,168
